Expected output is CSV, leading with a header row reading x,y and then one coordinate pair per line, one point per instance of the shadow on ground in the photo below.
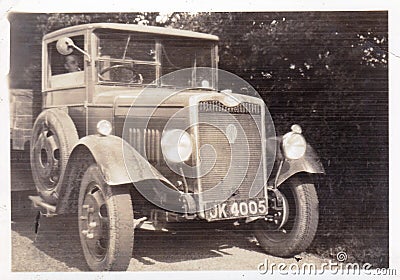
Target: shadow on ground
x,y
58,238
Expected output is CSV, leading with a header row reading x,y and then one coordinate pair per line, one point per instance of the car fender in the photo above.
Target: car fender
x,y
309,163
114,157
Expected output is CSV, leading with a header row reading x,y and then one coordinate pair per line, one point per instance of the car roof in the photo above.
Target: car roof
x,y
132,27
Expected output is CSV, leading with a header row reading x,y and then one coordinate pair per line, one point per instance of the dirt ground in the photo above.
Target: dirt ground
x,y
56,247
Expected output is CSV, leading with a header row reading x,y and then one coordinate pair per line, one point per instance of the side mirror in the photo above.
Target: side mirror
x,y
65,46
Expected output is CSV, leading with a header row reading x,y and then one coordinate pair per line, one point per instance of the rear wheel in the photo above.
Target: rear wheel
x,y
53,137
105,222
300,223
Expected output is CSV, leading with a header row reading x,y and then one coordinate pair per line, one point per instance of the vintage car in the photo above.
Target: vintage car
x,y
136,132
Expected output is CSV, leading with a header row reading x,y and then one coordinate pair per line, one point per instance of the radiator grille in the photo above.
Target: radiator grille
x,y
210,134
146,142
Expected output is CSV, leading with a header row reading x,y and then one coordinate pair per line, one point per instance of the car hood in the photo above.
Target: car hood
x,y
170,97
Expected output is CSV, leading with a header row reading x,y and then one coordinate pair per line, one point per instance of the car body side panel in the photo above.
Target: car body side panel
x,y
78,116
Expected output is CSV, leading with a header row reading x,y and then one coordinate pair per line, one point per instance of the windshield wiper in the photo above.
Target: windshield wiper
x,y
126,46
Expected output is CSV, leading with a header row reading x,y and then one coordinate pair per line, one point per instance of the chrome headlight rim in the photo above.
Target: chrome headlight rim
x,y
294,145
176,145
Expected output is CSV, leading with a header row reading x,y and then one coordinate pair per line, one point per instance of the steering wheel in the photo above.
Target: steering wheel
x,y
136,77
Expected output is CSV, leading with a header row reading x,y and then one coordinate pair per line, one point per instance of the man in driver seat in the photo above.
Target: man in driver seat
x,y
127,73
71,63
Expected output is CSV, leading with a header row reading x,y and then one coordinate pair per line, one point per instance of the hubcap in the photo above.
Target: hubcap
x,y
279,223
280,209
94,222
47,157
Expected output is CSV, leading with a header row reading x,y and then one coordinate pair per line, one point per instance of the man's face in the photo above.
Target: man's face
x,y
71,64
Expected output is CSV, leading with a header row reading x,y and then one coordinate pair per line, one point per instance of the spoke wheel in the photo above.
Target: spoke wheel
x,y
105,222
297,233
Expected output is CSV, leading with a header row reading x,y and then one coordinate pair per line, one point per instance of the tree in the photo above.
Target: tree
x,y
328,72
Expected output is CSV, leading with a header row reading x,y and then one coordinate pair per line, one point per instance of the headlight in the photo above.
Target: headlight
x,y
205,84
176,145
104,127
294,145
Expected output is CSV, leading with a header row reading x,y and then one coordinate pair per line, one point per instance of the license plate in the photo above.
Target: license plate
x,y
237,209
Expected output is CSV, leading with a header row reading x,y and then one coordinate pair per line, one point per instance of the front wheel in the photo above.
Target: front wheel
x,y
301,221
105,222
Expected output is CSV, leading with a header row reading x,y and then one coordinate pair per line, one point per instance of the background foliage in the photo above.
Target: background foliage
x,y
326,71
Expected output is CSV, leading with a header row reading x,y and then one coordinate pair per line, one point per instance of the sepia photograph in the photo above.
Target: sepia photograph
x,y
200,141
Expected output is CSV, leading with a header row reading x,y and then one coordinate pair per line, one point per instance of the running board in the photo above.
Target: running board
x,y
142,223
39,203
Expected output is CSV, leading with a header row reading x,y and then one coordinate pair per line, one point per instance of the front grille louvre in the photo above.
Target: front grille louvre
x,y
147,142
209,134
242,108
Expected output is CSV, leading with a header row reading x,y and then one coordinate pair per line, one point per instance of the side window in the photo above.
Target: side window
x,y
66,70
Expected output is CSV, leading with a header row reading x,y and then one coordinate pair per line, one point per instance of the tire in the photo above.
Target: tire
x,y
53,138
298,232
107,244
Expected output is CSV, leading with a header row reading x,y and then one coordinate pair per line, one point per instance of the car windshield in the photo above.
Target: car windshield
x,y
182,54
134,59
